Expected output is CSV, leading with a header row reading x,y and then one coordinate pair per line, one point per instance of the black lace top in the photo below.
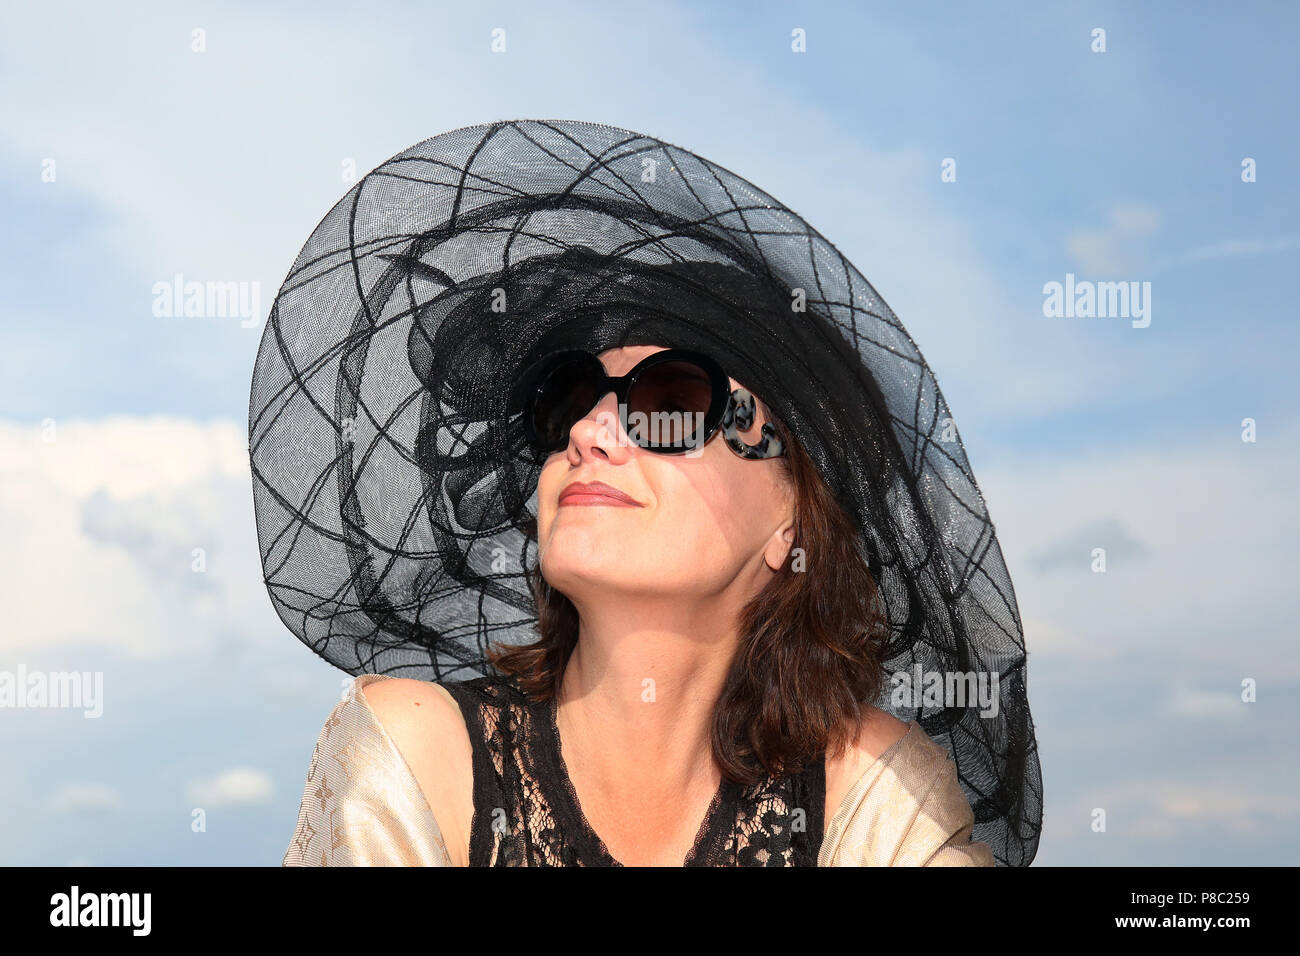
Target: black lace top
x,y
526,812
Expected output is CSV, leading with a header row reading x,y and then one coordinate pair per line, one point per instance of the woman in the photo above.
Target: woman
x,y
649,619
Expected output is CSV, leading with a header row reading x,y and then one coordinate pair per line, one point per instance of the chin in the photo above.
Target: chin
x,y
580,553
578,565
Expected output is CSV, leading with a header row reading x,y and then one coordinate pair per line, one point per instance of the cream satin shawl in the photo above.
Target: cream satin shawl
x,y
362,806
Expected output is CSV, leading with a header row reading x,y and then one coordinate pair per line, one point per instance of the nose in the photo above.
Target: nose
x,y
600,433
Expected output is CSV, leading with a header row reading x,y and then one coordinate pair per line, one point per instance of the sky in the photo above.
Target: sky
x,y
1163,689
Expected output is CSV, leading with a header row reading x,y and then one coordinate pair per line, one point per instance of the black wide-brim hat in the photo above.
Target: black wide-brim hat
x,y
395,494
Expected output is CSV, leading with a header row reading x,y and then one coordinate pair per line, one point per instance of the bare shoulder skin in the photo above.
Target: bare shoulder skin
x,y
878,732
426,725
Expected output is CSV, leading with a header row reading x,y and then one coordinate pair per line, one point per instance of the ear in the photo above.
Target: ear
x,y
778,546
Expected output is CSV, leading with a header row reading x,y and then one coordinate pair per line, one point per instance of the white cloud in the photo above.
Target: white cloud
x,y
1075,550
101,528
1055,636
1134,218
1165,809
1116,248
74,797
239,786
125,457
1213,581
1096,252
1211,705
1151,807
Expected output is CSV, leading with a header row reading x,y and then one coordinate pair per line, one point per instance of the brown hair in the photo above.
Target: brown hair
x,y
811,644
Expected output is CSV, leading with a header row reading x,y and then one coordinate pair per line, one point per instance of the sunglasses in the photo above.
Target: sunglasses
x,y
671,402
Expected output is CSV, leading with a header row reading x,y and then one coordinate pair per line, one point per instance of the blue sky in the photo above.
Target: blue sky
x,y
1084,432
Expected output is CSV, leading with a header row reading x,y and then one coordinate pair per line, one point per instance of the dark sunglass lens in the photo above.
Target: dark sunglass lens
x,y
669,403
566,394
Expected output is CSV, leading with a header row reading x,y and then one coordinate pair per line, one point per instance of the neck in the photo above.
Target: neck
x,y
637,696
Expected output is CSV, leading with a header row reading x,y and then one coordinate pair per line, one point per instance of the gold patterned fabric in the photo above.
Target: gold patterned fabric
x,y
362,806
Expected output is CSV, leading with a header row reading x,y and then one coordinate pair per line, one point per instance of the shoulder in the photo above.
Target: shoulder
x,y
880,730
384,786
909,810
412,708
426,726
875,734
422,718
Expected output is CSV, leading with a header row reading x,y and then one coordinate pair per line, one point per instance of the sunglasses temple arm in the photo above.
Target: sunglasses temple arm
x,y
739,417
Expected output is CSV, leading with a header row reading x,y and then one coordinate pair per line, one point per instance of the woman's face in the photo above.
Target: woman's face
x,y
703,522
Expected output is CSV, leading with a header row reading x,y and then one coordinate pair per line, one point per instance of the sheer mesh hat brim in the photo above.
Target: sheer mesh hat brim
x,y
394,489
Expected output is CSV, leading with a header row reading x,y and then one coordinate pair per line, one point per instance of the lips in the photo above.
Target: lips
x,y
595,493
